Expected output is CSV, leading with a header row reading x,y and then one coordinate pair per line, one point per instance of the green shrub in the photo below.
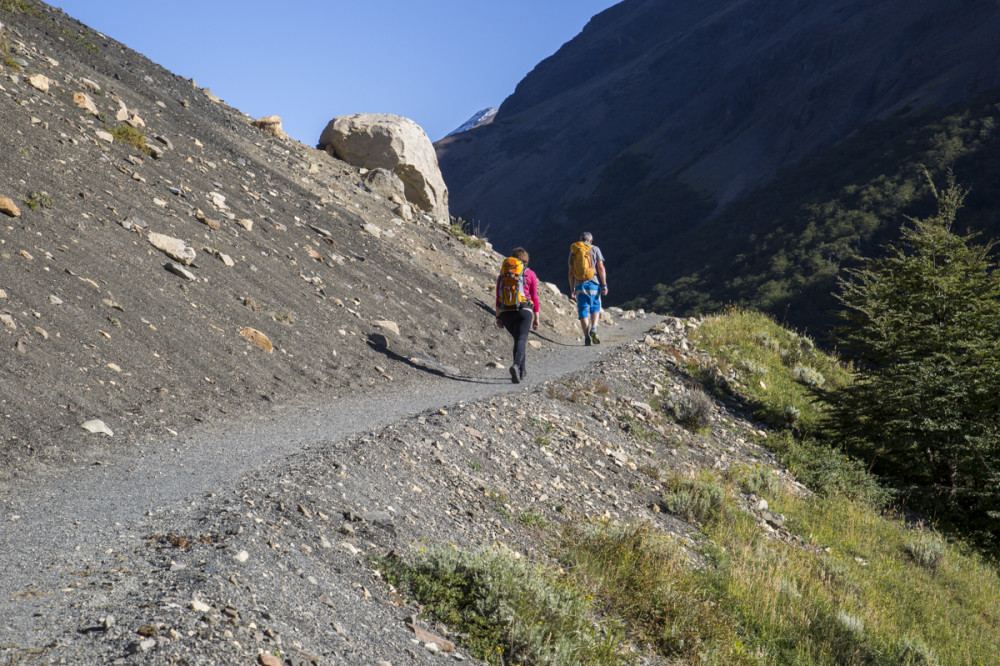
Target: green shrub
x,y
757,480
131,136
18,7
927,551
511,612
826,470
459,232
808,376
38,199
699,500
692,409
914,652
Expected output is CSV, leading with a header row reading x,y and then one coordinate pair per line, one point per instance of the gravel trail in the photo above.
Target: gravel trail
x,y
51,523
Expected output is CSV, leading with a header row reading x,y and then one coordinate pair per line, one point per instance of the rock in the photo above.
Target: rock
x,y
214,225
97,426
84,101
199,606
180,271
271,125
428,639
373,230
258,338
383,141
761,505
773,519
268,659
245,223
534,344
39,82
174,248
8,321
104,136
405,212
380,518
242,556
552,287
385,183
391,326
8,207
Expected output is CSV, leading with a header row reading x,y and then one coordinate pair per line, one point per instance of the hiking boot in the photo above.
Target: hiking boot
x,y
594,337
524,373
513,375
586,340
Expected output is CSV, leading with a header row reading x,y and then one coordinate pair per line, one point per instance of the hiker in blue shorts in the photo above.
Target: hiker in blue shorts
x,y
587,283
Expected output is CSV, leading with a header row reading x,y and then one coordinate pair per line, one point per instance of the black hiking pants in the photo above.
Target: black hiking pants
x,y
518,324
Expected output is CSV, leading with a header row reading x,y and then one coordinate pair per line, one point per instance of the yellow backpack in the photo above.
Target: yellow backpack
x,y
579,253
512,296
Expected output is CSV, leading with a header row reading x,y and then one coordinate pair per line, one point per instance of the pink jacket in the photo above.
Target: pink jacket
x,y
530,287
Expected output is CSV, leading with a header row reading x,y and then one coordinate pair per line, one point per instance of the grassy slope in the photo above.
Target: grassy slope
x,y
853,585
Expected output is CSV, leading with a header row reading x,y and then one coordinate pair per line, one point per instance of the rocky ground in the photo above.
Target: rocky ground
x,y
98,323
309,286
282,562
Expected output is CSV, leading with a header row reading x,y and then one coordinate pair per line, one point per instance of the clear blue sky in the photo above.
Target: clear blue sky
x,y
434,61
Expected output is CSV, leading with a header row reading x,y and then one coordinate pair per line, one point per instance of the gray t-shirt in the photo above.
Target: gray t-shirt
x,y
595,256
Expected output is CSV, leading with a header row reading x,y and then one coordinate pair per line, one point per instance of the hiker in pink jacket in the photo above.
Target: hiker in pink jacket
x,y
520,321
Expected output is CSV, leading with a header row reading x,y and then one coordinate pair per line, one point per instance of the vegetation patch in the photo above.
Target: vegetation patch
x,y
460,231
131,136
771,367
19,7
37,200
510,611
700,500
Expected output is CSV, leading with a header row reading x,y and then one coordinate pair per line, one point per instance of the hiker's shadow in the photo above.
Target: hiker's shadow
x,y
378,342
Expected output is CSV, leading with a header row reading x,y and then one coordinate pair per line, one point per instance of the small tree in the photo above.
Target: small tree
x,y
923,324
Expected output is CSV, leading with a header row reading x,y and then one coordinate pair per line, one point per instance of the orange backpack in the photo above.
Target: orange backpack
x,y
583,268
512,296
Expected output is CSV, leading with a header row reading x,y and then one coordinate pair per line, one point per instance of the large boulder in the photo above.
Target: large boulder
x,y
383,141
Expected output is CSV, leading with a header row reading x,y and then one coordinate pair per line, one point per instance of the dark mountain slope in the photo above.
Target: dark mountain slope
x,y
677,110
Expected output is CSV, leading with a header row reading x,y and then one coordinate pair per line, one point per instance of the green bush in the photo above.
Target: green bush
x,y
512,612
700,500
131,136
927,551
692,409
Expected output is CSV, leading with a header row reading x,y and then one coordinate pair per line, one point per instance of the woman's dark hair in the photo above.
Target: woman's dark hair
x,y
521,254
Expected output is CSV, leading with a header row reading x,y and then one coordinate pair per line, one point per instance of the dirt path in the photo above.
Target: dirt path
x,y
50,523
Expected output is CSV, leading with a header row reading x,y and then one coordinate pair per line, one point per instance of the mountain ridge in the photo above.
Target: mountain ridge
x,y
716,97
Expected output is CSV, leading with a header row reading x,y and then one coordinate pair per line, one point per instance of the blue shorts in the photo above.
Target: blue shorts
x,y
588,299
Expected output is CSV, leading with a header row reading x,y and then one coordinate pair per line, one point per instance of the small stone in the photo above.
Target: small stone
x,y
268,659
179,270
105,136
97,426
245,223
55,300
84,101
390,326
373,230
258,338
174,248
8,207
39,82
200,606
242,556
